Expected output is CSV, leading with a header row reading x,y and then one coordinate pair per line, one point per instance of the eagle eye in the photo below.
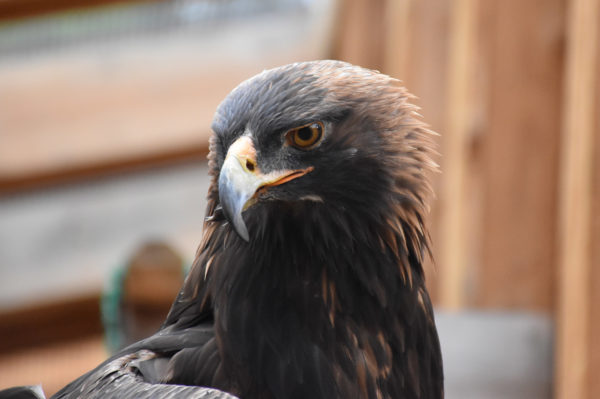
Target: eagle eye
x,y
305,137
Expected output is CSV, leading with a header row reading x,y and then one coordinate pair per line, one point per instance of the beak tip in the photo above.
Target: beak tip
x,y
234,215
241,229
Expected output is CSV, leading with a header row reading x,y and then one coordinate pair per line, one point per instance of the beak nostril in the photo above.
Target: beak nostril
x,y
249,165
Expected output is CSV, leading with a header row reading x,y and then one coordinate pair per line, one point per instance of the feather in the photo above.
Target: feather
x,y
118,379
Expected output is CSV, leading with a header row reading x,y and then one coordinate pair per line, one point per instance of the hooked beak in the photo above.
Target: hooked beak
x,y
241,180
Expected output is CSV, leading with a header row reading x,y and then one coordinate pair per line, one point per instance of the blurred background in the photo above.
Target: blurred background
x,y
105,110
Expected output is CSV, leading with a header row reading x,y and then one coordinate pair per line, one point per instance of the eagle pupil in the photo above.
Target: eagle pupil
x,y
305,133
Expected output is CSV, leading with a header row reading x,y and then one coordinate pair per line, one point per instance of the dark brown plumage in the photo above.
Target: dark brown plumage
x,y
308,282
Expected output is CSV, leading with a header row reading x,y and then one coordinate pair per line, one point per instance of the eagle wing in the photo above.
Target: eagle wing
x,y
139,371
123,378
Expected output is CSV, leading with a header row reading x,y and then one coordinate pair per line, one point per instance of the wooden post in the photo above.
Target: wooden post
x,y
574,310
516,154
452,257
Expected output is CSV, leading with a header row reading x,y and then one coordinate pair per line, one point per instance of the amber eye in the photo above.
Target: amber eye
x,y
306,136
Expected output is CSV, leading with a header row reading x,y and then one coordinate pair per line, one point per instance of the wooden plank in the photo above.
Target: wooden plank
x,y
522,58
52,366
13,9
452,251
594,344
360,34
574,268
49,323
398,28
95,168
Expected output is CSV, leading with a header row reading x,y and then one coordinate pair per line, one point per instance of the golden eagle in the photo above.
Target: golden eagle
x,y
308,282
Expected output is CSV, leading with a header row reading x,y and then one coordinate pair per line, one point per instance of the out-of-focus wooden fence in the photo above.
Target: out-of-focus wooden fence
x,y
513,87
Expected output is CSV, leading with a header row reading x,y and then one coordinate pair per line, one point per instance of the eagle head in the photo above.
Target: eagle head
x,y
323,134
